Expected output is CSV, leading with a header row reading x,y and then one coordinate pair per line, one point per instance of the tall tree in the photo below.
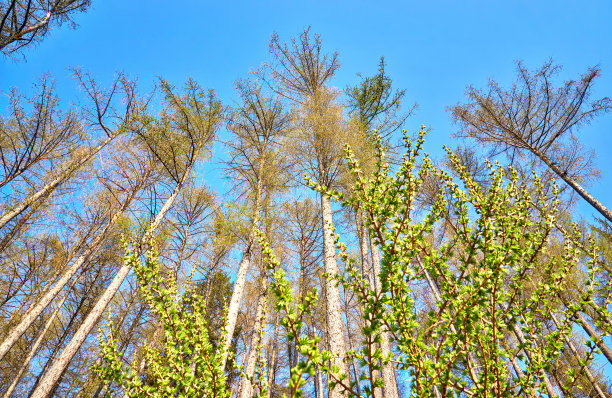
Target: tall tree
x,y
301,72
185,128
257,125
535,117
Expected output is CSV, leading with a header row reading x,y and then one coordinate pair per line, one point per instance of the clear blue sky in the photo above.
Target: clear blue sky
x,y
433,48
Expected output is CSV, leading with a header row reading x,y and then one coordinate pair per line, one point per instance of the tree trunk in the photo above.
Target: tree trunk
x,y
521,338
390,389
37,343
32,314
335,325
243,269
577,355
603,210
58,367
318,383
246,383
595,336
45,191
234,306
274,351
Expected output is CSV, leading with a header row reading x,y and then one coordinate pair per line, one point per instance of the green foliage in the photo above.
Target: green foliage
x,y
481,318
492,320
188,365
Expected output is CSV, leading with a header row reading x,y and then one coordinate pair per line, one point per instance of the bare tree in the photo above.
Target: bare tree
x,y
185,128
25,22
257,125
535,117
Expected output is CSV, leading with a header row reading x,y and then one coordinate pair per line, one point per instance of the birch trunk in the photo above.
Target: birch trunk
x,y
72,167
335,324
58,367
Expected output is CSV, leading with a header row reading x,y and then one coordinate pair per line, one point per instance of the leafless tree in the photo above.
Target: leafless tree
x,y
535,117
25,22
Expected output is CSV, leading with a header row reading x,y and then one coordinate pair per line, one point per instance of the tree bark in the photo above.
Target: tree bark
x,y
335,324
390,389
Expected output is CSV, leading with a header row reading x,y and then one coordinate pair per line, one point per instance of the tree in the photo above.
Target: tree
x,y
535,117
374,109
189,123
25,22
488,314
374,105
301,72
258,125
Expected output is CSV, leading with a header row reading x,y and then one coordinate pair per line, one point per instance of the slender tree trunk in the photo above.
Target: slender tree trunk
x,y
19,228
37,343
335,324
32,314
521,338
61,340
318,383
58,367
45,191
246,383
577,355
274,351
390,389
603,210
243,269
595,336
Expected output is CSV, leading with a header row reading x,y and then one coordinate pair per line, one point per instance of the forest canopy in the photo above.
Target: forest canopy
x,y
343,260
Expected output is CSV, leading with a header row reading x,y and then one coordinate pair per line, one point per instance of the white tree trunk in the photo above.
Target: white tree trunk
x,y
335,324
243,269
55,371
388,370
234,306
246,383
32,314
26,362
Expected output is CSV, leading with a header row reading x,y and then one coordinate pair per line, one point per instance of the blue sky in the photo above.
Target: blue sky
x,y
433,49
